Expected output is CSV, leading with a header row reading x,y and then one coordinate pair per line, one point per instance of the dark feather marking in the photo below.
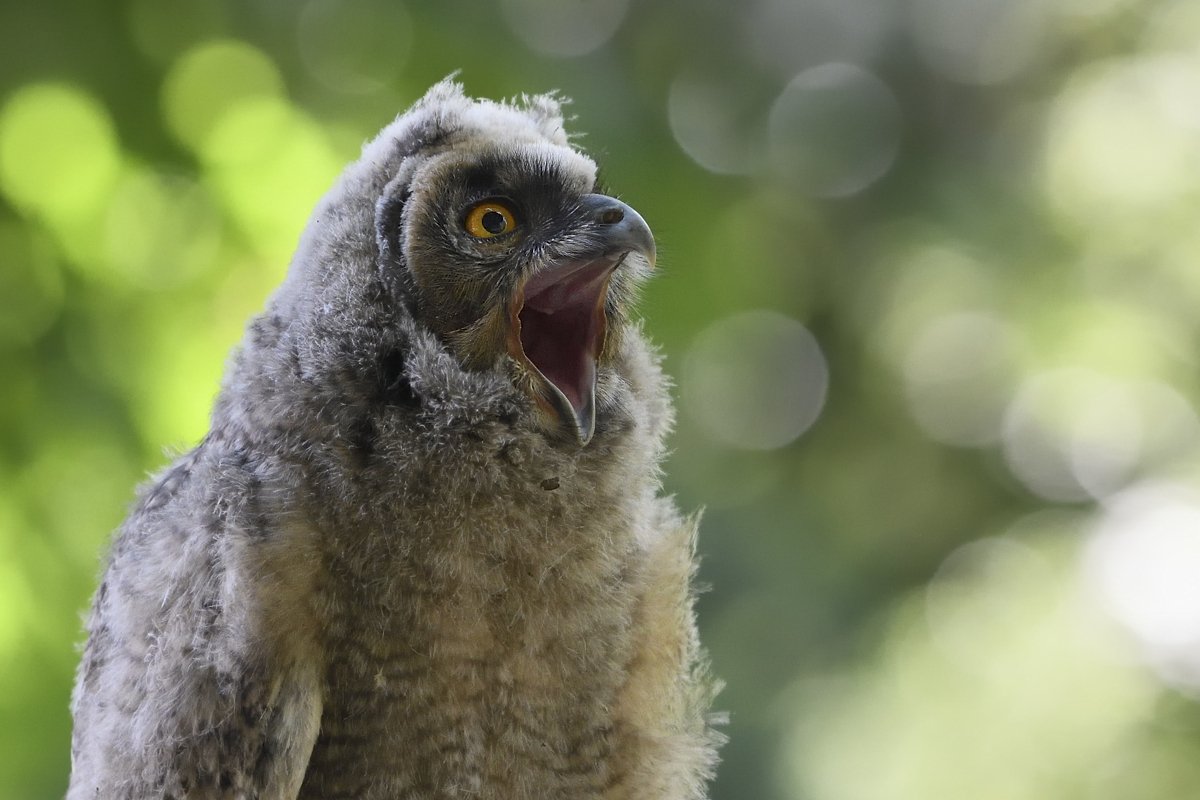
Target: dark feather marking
x,y
170,484
364,435
393,385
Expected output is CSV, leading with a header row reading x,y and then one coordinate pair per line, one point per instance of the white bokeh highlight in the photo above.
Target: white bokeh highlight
x,y
789,36
971,598
1144,558
979,41
703,117
564,30
833,130
1075,434
958,374
756,380
1123,143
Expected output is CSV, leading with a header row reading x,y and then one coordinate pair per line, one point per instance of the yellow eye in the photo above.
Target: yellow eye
x,y
490,219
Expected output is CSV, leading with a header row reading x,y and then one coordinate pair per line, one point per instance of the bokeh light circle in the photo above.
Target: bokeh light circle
x,y
756,380
354,45
1144,557
161,231
271,162
58,151
1072,434
977,594
833,131
980,41
703,114
564,29
958,375
789,36
210,79
1123,143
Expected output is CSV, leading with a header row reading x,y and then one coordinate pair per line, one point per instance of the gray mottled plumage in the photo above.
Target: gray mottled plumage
x,y
403,563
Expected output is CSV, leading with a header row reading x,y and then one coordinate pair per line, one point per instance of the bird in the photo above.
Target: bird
x,y
423,550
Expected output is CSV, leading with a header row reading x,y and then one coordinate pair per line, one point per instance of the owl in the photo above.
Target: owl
x,y
422,551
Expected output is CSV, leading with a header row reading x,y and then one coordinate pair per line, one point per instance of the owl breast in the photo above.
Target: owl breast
x,y
478,632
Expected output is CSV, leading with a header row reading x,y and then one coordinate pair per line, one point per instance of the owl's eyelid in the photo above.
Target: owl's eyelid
x,y
494,197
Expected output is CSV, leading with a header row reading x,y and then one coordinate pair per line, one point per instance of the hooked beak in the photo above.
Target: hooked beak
x,y
558,320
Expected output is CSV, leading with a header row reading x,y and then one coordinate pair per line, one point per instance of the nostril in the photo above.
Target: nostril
x,y
611,216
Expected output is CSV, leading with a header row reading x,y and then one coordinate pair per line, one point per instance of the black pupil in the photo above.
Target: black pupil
x,y
493,222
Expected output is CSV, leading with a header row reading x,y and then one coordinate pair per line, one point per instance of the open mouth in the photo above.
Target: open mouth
x,y
561,324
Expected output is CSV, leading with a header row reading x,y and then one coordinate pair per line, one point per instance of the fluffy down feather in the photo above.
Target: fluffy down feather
x,y
383,573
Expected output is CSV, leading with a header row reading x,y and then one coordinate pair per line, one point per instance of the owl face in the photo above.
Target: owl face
x,y
513,254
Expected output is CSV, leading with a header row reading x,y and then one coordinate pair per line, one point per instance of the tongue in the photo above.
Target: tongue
x,y
562,323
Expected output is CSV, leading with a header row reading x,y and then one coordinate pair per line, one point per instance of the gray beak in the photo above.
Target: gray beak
x,y
623,229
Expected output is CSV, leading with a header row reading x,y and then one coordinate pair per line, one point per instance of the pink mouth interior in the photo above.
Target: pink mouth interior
x,y
562,322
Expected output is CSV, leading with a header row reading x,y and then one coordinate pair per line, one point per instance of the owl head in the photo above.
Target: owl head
x,y
489,229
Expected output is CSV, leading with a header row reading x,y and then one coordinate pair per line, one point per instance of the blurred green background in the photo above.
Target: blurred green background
x,y
929,286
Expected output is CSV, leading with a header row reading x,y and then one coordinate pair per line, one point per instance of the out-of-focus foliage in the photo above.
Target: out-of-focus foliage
x,y
929,283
